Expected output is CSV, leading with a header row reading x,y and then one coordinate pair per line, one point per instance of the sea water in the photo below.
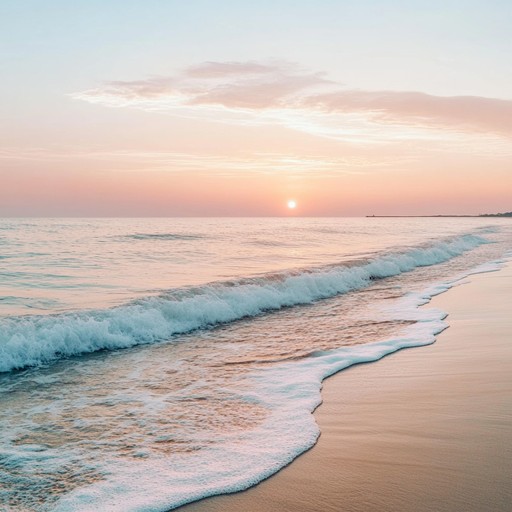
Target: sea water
x,y
147,363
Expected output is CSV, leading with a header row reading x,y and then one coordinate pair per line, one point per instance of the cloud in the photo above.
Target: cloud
x,y
234,85
218,69
286,91
464,112
220,164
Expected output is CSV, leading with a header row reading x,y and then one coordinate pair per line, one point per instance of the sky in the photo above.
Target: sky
x,y
234,108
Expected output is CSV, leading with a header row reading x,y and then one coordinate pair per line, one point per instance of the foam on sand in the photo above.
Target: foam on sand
x,y
290,391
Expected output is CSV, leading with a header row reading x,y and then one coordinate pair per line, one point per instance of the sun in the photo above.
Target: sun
x,y
292,204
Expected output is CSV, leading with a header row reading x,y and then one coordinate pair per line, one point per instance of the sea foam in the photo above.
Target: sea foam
x,y
33,340
291,391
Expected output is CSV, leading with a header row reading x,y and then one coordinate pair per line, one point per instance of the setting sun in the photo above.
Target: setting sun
x,y
292,204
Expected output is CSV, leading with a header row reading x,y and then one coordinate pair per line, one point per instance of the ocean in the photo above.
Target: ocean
x,y
147,363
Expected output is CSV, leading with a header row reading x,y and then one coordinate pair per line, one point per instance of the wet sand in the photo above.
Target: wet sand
x,y
425,429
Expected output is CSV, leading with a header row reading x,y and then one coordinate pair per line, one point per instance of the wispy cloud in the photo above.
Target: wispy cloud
x,y
291,164
283,92
465,112
235,85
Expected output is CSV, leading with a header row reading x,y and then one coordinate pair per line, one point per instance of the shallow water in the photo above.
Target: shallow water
x,y
227,327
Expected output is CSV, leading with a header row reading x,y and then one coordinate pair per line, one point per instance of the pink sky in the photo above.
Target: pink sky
x,y
220,130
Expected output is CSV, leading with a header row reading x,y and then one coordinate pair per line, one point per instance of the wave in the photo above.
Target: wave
x,y
34,340
164,236
289,391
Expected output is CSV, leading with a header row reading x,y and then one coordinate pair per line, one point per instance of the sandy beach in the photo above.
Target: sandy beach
x,y
425,429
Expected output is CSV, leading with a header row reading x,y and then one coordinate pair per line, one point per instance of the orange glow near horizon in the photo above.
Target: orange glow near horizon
x,y
234,138
107,122
88,192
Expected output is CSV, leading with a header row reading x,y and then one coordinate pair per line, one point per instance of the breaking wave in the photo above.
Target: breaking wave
x,y
32,340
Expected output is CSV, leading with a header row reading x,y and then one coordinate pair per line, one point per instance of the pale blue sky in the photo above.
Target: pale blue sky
x,y
439,47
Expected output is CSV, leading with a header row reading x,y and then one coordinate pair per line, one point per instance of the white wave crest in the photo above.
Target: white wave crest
x,y
32,340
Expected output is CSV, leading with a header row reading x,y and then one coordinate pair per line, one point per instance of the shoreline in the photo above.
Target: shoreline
x,y
427,429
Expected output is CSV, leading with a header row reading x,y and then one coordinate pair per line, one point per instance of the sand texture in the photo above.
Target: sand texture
x,y
425,429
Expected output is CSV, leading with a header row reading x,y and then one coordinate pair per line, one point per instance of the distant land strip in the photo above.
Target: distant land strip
x,y
506,214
